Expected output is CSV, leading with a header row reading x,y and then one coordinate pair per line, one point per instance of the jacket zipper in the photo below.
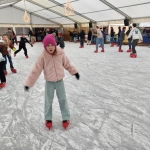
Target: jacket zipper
x,y
55,68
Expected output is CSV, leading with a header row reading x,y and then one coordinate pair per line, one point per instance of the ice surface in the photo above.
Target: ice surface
x,y
109,105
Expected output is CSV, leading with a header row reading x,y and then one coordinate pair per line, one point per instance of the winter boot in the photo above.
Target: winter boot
x,y
130,50
65,123
102,50
5,72
27,56
48,124
96,51
13,70
120,50
2,84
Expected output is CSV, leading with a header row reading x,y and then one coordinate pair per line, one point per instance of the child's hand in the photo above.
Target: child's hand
x,y
26,88
77,76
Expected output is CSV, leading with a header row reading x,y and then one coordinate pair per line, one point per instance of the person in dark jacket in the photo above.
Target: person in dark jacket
x,y
2,74
30,33
129,40
112,37
60,41
9,34
122,36
89,37
14,40
82,37
22,44
71,35
119,31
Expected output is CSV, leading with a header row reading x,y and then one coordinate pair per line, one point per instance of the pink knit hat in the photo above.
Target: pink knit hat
x,y
49,39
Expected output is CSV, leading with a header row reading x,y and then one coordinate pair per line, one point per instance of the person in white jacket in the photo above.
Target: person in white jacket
x,y
136,36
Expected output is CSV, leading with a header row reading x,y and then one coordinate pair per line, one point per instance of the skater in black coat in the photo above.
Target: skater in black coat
x,y
89,37
60,41
129,40
82,37
2,75
22,44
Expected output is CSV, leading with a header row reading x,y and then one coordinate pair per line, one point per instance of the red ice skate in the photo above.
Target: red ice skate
x,y
14,55
2,84
81,47
112,45
5,72
13,70
102,50
120,50
96,51
133,55
65,123
27,56
130,50
48,124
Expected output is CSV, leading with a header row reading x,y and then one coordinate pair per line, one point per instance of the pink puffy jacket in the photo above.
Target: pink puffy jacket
x,y
53,67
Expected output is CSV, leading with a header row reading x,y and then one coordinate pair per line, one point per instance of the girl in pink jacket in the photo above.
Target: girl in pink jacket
x,y
52,61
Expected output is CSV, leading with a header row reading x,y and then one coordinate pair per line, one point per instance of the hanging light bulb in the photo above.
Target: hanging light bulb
x,y
68,10
25,17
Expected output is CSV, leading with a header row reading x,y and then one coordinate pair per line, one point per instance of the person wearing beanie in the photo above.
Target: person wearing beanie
x,y
52,61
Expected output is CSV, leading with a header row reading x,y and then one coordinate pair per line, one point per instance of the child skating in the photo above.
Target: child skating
x,y
22,45
6,46
52,61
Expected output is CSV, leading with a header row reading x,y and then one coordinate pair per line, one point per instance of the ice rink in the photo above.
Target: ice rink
x,y
109,105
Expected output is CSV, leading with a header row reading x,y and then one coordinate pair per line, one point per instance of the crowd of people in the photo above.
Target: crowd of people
x,y
96,36
53,61
133,36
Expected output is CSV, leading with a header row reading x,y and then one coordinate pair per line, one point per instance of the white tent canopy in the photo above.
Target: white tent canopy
x,y
144,24
51,11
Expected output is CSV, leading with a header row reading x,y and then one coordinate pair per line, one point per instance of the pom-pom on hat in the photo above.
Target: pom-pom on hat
x,y
49,39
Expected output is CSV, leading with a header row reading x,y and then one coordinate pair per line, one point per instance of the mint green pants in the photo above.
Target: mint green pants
x,y
61,95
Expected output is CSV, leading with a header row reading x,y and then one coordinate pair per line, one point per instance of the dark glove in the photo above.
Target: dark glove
x,y
31,45
77,76
26,88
